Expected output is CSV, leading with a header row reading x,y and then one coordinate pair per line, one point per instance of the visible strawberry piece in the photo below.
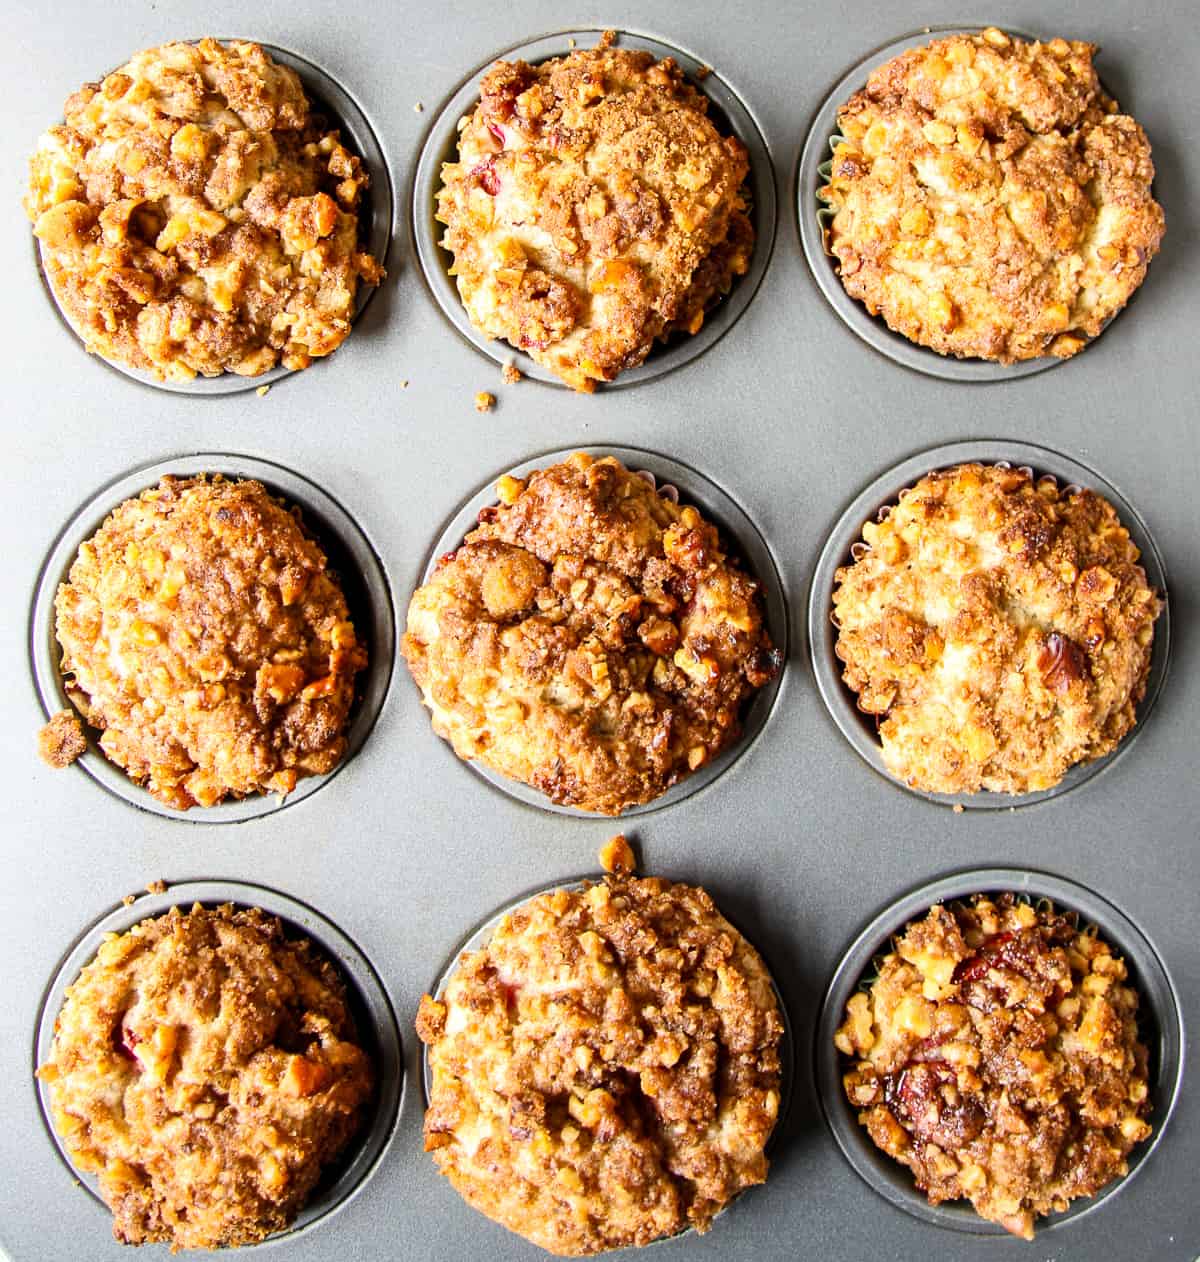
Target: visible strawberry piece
x,y
489,179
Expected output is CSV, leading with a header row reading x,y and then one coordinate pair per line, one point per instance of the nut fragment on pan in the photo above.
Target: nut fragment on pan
x,y
203,635
591,637
197,217
593,209
605,1070
997,1056
207,1069
999,628
989,199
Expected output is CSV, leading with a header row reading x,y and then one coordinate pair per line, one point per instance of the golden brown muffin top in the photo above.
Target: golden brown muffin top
x,y
591,638
1000,628
203,634
997,1056
990,200
206,1068
605,1071
196,217
594,208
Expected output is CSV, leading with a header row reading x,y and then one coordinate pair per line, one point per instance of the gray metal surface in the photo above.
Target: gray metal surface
x,y
799,842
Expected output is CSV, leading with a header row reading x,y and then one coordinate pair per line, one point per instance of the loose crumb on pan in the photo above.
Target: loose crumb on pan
x,y
206,640
594,209
591,637
262,391
196,216
616,855
605,1070
62,740
207,1069
510,374
990,200
999,628
997,1056
484,401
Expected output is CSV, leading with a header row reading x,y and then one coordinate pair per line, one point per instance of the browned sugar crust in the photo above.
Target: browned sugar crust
x,y
205,638
997,1057
206,1068
606,1069
196,217
590,638
1000,630
593,209
990,200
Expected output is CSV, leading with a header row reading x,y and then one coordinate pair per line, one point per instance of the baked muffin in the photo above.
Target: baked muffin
x,y
203,635
197,217
591,637
999,629
594,209
605,1071
997,1056
990,200
206,1068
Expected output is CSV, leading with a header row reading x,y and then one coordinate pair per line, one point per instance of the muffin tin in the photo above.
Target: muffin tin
x,y
798,841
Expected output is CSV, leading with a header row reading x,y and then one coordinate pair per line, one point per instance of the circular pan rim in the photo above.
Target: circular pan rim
x,y
433,260
1156,991
883,490
357,972
481,935
334,528
345,115
734,523
873,330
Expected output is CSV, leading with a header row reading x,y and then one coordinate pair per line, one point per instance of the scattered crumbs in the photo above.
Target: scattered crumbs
x,y
571,41
157,887
418,108
128,900
262,391
404,384
703,72
510,374
616,855
484,402
62,740
958,808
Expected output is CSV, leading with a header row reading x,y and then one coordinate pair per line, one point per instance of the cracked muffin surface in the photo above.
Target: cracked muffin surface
x,y
591,637
605,1070
990,200
999,629
997,1056
206,1068
197,217
593,209
204,636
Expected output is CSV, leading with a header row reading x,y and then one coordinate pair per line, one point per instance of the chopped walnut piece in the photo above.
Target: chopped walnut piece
x,y
61,740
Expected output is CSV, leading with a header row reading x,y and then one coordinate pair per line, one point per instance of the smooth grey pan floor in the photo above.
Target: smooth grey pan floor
x,y
793,415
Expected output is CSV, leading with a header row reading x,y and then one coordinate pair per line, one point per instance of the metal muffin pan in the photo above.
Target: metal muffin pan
x,y
877,499
480,936
367,996
739,534
799,844
351,558
1160,1027
376,213
730,114
813,219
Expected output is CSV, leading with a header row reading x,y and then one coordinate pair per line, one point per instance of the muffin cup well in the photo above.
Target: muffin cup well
x,y
351,557
813,218
376,216
861,729
369,1002
1160,1027
728,112
745,541
481,935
